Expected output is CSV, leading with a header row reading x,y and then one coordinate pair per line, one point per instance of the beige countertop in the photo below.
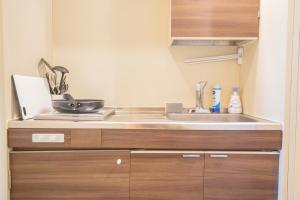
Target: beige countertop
x,y
153,120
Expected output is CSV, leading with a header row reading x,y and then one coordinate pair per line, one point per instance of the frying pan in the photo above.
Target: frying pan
x,y
77,106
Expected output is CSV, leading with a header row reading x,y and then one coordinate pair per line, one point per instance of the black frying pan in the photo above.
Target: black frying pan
x,y
77,106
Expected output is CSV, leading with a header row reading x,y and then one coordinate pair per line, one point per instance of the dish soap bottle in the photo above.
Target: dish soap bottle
x,y
216,99
235,105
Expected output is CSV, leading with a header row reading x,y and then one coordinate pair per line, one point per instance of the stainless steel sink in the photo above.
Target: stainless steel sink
x,y
213,118
157,115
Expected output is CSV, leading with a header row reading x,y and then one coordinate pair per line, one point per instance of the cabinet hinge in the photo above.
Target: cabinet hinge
x,y
9,180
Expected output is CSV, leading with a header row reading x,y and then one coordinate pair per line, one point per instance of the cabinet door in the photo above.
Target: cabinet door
x,y
80,175
166,175
214,18
241,176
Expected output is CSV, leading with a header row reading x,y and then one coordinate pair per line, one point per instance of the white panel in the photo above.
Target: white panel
x,y
33,95
48,138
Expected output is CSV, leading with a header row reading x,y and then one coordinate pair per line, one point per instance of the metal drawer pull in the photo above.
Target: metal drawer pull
x,y
191,156
219,156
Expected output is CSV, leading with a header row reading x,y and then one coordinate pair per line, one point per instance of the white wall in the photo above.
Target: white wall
x,y
297,179
2,113
294,106
263,72
296,60
118,51
26,35
3,155
263,75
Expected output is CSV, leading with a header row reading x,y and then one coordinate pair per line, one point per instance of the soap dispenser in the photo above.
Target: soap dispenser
x,y
235,105
216,98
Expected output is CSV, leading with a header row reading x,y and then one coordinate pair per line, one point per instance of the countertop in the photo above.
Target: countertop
x,y
153,119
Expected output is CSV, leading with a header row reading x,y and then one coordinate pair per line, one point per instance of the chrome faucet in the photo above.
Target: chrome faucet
x,y
199,97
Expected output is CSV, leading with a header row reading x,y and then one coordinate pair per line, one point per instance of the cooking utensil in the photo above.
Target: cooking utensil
x,y
68,97
80,106
43,61
46,71
50,73
77,106
63,72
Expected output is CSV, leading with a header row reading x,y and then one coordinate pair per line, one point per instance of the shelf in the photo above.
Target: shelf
x,y
211,41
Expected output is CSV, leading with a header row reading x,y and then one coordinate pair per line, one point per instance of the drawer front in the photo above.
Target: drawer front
x,y
241,176
70,175
86,138
166,175
167,164
242,163
204,140
54,138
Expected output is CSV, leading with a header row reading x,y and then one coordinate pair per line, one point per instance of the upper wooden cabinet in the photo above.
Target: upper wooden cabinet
x,y
215,19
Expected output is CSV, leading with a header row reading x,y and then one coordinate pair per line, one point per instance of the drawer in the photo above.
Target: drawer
x,y
181,139
54,138
187,164
258,163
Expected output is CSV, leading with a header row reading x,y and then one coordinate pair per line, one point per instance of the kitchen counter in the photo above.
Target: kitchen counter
x,y
153,119
135,152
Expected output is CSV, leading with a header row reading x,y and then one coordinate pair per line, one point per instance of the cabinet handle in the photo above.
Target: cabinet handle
x,y
191,156
219,156
119,161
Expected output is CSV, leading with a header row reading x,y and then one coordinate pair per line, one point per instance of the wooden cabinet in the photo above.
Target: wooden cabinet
x,y
215,18
166,175
187,175
69,175
143,175
234,176
177,164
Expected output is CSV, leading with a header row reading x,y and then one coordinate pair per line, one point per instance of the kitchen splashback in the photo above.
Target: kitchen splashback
x,y
119,51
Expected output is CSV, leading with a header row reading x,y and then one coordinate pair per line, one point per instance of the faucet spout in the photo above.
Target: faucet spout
x,y
200,97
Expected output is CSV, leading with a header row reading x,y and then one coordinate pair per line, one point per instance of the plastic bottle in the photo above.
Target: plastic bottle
x,y
235,105
216,98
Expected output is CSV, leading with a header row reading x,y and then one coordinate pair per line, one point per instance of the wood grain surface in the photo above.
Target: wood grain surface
x,y
166,176
214,18
204,140
80,175
247,177
74,138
